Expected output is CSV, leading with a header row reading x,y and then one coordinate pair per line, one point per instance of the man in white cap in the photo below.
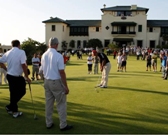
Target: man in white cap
x,y
105,67
56,88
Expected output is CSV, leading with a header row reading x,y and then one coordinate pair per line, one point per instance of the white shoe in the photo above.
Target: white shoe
x,y
17,114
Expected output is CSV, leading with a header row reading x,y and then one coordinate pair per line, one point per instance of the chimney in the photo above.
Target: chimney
x,y
133,7
104,5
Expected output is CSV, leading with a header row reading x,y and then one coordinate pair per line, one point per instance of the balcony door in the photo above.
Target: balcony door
x,y
123,29
139,43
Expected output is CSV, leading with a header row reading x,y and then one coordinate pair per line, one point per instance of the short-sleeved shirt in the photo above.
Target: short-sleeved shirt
x,y
51,63
102,57
35,60
14,59
119,59
89,60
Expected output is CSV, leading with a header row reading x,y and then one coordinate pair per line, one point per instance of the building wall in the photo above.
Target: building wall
x,y
5,48
138,17
155,35
57,33
103,34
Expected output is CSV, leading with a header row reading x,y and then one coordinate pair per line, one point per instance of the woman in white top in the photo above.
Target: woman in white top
x,y
119,62
90,63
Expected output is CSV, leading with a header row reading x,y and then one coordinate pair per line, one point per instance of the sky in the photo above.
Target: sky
x,y
20,19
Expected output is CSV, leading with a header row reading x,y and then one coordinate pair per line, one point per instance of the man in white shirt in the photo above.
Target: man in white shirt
x,y
35,66
56,88
16,61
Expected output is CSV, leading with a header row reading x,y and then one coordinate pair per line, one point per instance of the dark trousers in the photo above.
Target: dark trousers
x,y
17,88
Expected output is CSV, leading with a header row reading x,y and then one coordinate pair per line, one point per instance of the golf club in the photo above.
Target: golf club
x,y
97,84
35,117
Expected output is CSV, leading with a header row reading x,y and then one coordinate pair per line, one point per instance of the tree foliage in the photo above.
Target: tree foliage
x,y
64,45
31,46
165,38
113,46
94,43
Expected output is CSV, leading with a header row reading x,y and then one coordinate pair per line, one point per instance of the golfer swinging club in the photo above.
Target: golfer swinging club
x,y
16,61
105,67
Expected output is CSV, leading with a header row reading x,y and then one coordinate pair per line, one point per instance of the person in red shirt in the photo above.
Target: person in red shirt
x,y
65,59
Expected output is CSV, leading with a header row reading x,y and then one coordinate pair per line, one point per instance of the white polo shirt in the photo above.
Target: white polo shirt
x,y
35,60
51,63
14,59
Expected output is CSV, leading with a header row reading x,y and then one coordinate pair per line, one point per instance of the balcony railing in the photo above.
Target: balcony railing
x,y
123,32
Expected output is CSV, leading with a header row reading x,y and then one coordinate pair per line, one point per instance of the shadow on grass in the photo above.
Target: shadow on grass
x,y
86,119
73,64
133,74
138,90
4,86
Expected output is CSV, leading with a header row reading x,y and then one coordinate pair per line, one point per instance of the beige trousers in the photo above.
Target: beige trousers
x,y
54,91
105,74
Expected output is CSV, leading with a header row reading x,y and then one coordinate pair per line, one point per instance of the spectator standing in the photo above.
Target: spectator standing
x,y
164,60
148,61
114,54
35,66
89,63
119,62
124,61
55,84
154,61
3,74
95,61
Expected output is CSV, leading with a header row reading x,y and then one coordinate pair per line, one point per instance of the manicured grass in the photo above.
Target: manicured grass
x,y
135,102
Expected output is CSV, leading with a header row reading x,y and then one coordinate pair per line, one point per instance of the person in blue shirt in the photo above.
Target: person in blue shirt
x,y
164,59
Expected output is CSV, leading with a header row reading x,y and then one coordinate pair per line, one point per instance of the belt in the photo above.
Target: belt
x,y
15,75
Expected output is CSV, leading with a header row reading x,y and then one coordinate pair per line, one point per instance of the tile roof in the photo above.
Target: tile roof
x,y
124,8
97,23
157,23
55,20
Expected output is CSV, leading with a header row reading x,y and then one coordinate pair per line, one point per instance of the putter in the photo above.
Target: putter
x,y
97,84
35,117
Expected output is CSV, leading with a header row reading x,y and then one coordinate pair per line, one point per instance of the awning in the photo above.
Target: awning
x,y
123,39
123,24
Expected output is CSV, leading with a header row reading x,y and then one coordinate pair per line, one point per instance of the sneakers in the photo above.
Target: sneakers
x,y
103,87
8,110
17,114
68,127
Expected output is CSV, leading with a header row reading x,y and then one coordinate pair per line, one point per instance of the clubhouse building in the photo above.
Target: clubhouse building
x,y
121,25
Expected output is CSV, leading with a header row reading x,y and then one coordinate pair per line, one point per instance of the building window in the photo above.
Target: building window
x,y
139,28
53,28
63,28
97,29
106,43
84,43
140,43
150,29
152,44
78,44
79,31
